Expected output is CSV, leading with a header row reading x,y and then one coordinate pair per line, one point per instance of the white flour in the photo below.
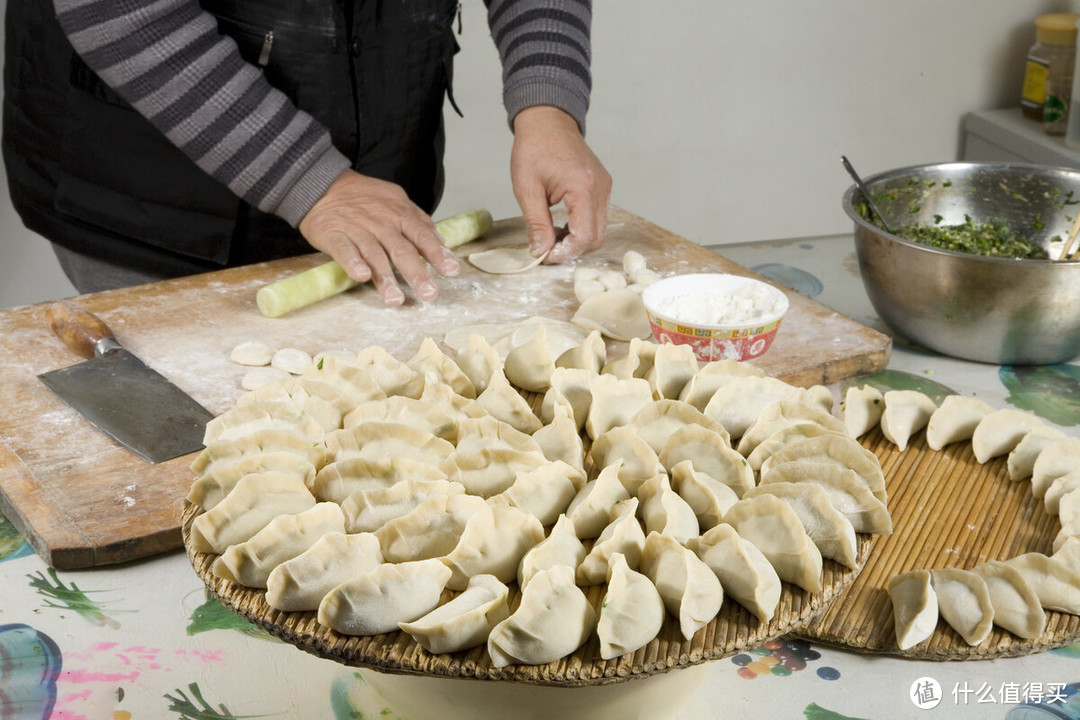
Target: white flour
x,y
716,308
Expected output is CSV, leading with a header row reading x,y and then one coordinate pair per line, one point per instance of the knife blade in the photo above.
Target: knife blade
x,y
117,392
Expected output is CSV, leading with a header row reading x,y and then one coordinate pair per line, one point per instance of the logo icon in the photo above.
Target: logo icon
x,y
925,693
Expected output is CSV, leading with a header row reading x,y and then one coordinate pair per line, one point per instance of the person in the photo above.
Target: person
x,y
155,138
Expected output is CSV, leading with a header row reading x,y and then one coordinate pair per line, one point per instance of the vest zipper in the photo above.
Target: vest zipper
x,y
267,46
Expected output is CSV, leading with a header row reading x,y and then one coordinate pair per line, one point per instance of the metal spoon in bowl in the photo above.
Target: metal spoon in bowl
x,y
865,193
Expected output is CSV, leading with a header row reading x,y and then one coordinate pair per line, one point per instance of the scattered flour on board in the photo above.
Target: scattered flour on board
x,y
715,308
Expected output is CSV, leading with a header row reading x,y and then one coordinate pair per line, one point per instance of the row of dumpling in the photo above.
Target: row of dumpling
x,y
1012,594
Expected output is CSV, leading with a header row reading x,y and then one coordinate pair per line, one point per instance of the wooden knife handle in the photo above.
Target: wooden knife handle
x,y
79,329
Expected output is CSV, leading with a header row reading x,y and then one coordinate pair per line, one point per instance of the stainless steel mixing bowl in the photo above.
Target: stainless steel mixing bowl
x,y
995,310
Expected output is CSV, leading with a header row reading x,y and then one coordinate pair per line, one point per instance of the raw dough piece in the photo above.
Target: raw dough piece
x,y
505,260
964,603
291,360
253,353
915,607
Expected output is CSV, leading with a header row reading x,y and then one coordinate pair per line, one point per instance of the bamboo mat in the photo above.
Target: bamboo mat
x,y
948,511
732,631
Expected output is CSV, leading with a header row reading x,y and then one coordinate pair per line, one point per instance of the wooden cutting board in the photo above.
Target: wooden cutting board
x,y
81,500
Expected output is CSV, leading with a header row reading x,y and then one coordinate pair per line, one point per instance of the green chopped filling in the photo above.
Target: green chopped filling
x,y
993,238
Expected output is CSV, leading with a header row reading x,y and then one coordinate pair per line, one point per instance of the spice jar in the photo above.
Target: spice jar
x,y
1049,71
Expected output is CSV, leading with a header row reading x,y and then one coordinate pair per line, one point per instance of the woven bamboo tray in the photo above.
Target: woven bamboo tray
x,y
948,510
732,631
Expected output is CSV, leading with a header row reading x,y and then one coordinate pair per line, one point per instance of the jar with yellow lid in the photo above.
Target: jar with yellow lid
x,y
1048,73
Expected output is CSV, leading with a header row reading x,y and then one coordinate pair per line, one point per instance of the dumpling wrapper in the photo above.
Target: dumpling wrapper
x,y
377,601
553,619
465,621
505,260
964,603
631,612
915,607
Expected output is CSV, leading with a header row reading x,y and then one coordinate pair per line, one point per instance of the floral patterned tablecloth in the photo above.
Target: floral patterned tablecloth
x,y
145,641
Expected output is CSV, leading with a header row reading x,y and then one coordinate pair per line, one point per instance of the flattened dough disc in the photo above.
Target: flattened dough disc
x,y
505,260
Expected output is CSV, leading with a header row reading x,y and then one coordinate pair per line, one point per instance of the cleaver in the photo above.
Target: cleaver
x,y
117,392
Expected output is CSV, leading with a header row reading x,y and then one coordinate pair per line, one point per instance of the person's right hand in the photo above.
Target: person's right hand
x,y
370,227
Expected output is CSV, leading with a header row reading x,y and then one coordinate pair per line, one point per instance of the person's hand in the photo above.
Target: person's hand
x,y
549,163
369,227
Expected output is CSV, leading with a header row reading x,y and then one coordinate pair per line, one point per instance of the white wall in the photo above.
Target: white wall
x,y
722,121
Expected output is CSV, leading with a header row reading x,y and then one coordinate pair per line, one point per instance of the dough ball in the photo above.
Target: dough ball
x,y
291,360
255,354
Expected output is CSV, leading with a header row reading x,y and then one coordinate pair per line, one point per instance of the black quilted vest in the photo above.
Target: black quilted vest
x,y
89,173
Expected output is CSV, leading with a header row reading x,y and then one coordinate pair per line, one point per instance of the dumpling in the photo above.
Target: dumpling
x,y
822,397
249,563
964,603
847,493
304,388
490,471
245,419
664,511
1021,460
707,497
1067,531
590,355
447,401
862,409
260,441
553,619
531,364
636,363
419,414
737,404
250,506
389,373
1056,584
631,612
377,440
615,402
623,535
784,414
618,314
429,531
572,387
545,492
377,601
744,572
1016,606
560,440
221,476
560,547
1068,505
783,438
955,420
915,607
369,510
775,529
501,400
709,453
479,361
831,531
349,379
1058,490
691,592
465,621
487,432
836,450
622,444
906,413
435,366
338,480
1058,458
1000,431
673,366
658,420
300,584
492,543
711,376
1068,552
590,510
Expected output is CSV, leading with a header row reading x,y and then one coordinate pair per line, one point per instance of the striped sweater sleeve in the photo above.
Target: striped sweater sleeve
x,y
167,59
545,48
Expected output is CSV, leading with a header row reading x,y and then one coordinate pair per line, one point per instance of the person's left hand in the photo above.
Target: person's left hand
x,y
549,163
